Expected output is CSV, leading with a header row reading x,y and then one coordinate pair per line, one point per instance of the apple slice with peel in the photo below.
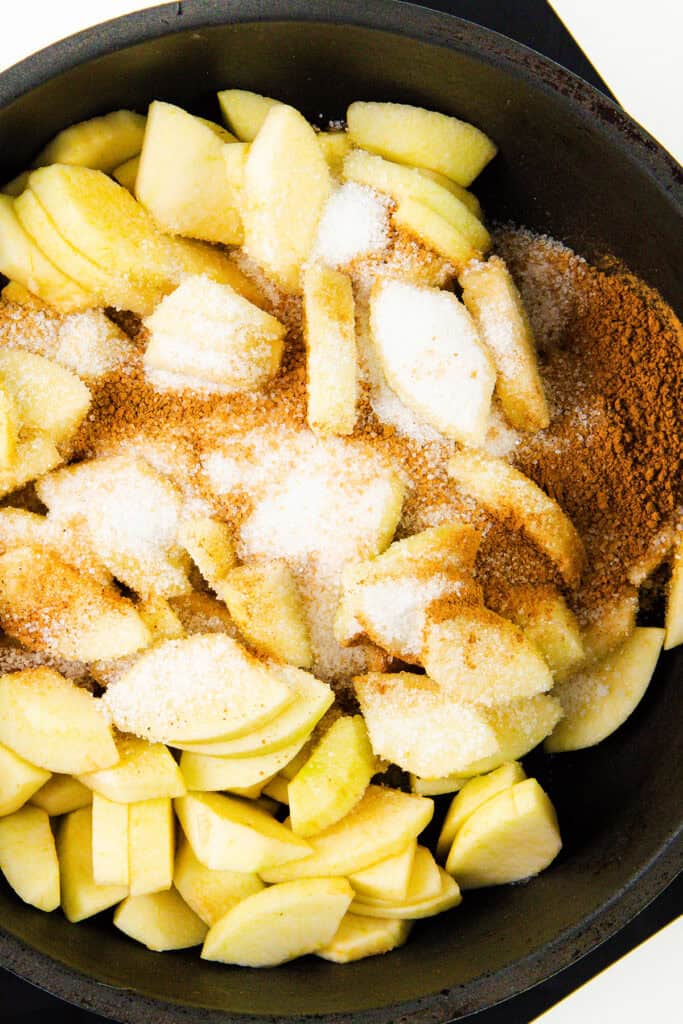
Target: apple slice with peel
x,y
389,878
280,923
359,937
19,780
160,921
674,598
510,837
429,350
382,823
284,160
28,858
311,700
54,724
109,841
207,773
144,771
229,834
473,794
407,910
210,893
82,897
600,699
151,846
333,779
194,689
61,795
244,112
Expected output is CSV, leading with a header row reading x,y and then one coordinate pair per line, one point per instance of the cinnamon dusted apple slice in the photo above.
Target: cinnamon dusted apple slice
x,y
160,619
505,492
20,528
331,356
610,625
209,544
473,794
46,397
518,727
194,689
432,357
48,606
600,699
358,937
19,780
182,179
244,112
546,619
160,921
284,160
28,858
674,599
54,724
496,306
421,138
8,429
101,142
476,655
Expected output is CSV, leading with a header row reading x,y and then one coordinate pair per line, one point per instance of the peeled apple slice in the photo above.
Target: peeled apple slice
x,y
46,396
280,923
151,846
600,699
28,858
81,896
388,879
101,142
473,794
359,937
19,780
109,841
144,771
160,921
244,112
209,892
206,773
61,795
510,837
447,897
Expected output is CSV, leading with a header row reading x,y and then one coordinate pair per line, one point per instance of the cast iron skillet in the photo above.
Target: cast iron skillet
x,y
571,163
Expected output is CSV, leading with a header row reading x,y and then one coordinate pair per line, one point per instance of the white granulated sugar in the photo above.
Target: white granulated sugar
x,y
91,345
394,610
432,358
354,222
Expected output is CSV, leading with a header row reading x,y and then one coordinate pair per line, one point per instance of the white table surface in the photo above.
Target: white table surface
x,y
636,47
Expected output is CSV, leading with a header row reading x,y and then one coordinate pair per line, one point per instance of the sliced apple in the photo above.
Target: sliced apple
x,y
333,779
201,687
244,112
284,161
62,794
610,625
19,780
160,619
331,356
8,428
311,700
359,937
144,771
466,197
429,350
28,858
202,613
209,773
264,601
228,834
382,823
53,723
600,699
101,142
421,138
422,224
335,147
92,345
508,494
436,786
518,727
160,921
387,880
208,892
512,836
81,896
209,544
109,841
408,910
182,179
475,793
546,619
36,454
673,622
127,172
20,528
277,789
46,396
280,923
151,846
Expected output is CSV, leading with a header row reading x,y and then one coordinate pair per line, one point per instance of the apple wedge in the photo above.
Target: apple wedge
x,y
198,688
284,161
439,786
512,836
331,356
109,841
478,656
28,858
473,794
546,619
264,602
407,910
8,429
144,771
54,724
600,699
20,528
424,882
208,892
209,544
434,232
359,937
160,619
81,896
45,396
19,780
208,773
151,846
673,622
335,147
610,625
127,172
228,834
62,794
101,142
333,779
311,700
430,351
160,921
280,923
36,454
182,179
508,494
387,880
518,727
382,823
421,138
277,789
244,112
47,605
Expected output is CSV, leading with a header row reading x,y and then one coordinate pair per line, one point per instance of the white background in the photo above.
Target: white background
x,y
636,47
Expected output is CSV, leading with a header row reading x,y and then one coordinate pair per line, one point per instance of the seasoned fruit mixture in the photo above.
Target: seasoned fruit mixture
x,y
321,505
